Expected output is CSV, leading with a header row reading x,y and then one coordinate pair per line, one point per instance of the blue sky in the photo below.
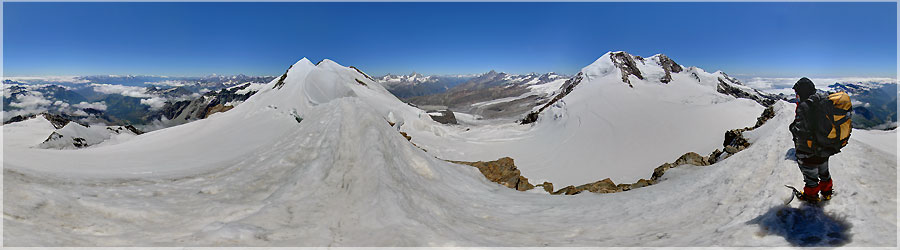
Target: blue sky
x,y
745,39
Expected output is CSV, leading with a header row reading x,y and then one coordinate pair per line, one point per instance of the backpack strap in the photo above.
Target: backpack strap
x,y
813,122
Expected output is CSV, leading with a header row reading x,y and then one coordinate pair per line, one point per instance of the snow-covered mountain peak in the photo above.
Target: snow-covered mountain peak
x,y
328,63
655,73
657,68
305,86
603,66
857,86
412,79
303,63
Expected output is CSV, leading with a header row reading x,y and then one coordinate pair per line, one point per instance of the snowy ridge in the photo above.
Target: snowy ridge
x,y
74,135
655,70
62,133
857,87
343,176
411,79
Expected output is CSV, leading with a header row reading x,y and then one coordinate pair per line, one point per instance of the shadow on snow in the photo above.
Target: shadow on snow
x,y
806,226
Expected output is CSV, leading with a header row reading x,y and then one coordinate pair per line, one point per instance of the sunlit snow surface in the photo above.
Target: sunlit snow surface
x,y
343,176
605,128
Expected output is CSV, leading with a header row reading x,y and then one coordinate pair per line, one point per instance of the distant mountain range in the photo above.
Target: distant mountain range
x,y
153,102
325,155
482,95
415,84
149,102
874,103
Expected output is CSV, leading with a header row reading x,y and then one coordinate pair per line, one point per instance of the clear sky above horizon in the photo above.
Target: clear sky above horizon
x,y
180,39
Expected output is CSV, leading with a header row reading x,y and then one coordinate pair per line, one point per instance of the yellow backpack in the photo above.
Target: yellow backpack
x,y
838,110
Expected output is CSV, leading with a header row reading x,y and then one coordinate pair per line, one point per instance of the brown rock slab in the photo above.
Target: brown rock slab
x,y
641,183
602,186
547,186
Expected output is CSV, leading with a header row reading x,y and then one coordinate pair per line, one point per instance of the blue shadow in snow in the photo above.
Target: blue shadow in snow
x,y
806,226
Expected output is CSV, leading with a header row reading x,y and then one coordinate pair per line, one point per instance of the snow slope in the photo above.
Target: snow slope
x,y
604,128
343,176
38,132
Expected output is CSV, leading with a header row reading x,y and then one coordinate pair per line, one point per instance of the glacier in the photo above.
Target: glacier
x,y
319,161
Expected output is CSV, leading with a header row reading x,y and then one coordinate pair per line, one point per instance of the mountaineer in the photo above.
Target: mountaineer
x,y
820,129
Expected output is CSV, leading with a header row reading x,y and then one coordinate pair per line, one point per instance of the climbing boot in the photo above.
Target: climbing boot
x,y
825,186
810,194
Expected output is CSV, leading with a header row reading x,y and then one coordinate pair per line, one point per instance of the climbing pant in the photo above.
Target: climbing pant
x,y
813,173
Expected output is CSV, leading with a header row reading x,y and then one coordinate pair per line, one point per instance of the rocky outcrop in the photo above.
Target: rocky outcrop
x,y
602,186
122,129
57,120
566,88
669,66
363,73
408,138
626,64
210,103
19,118
169,92
693,159
77,142
734,142
730,89
690,158
280,82
548,187
218,108
642,183
568,190
445,117
502,171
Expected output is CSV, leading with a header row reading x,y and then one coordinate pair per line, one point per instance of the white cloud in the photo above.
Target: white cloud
x,y
31,99
139,92
29,103
155,103
887,125
760,83
46,79
80,113
784,84
95,105
173,83
61,104
857,103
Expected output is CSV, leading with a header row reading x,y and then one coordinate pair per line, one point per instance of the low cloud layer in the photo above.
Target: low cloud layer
x,y
171,83
46,79
784,84
94,105
28,100
155,103
139,92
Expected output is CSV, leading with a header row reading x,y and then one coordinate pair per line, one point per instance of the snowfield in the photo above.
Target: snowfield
x,y
605,129
315,162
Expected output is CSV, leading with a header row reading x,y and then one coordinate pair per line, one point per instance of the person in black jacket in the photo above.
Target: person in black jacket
x,y
813,160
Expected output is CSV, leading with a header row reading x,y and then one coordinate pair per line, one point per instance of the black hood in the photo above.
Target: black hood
x,y
804,88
